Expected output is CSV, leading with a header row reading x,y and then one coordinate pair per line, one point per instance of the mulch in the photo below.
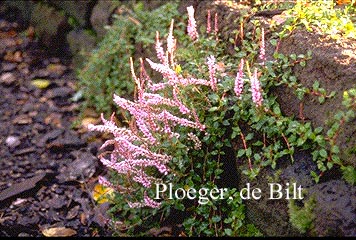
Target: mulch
x,y
48,167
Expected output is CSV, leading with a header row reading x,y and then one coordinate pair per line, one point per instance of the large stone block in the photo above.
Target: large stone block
x,y
333,64
50,26
19,11
101,14
80,9
81,42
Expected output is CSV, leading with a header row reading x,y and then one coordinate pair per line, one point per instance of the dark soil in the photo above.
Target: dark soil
x,y
47,167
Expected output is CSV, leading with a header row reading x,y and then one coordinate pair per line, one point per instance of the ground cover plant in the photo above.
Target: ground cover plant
x,y
205,113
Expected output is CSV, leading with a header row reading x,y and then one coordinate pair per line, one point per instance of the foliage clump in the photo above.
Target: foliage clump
x,y
108,68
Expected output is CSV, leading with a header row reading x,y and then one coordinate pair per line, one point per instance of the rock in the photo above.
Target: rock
x,y
19,11
81,42
13,56
61,92
56,70
72,213
48,137
69,141
12,141
7,78
7,67
335,211
101,14
25,151
22,119
41,73
79,9
21,187
28,220
57,202
264,211
50,25
80,169
333,64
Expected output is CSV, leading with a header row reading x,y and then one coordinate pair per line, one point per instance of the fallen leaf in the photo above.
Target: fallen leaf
x,y
22,120
89,120
58,69
58,232
102,194
41,83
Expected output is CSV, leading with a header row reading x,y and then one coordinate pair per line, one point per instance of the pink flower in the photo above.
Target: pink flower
x,y
256,90
192,26
212,70
156,99
165,70
239,83
149,202
208,24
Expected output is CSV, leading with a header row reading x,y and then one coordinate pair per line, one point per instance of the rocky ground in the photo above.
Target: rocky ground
x,y
47,167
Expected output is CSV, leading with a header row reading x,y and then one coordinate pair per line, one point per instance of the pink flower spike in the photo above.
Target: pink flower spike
x,y
212,70
208,24
159,50
192,25
149,202
256,90
262,55
239,83
170,40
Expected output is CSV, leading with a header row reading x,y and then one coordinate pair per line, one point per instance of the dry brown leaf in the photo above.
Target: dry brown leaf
x,y
89,120
59,232
22,119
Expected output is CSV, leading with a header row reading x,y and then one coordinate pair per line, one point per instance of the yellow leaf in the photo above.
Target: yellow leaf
x,y
102,194
178,69
58,232
41,83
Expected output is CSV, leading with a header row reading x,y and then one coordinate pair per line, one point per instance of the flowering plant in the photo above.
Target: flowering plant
x,y
198,125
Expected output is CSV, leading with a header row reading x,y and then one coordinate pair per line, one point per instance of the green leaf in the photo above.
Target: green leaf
x,y
316,85
216,219
315,176
335,149
228,231
240,152
277,110
248,152
330,165
249,136
321,99
349,174
213,109
323,153
318,130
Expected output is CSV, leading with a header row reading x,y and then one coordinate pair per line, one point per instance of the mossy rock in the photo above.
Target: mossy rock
x,y
50,26
80,10
333,65
81,43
